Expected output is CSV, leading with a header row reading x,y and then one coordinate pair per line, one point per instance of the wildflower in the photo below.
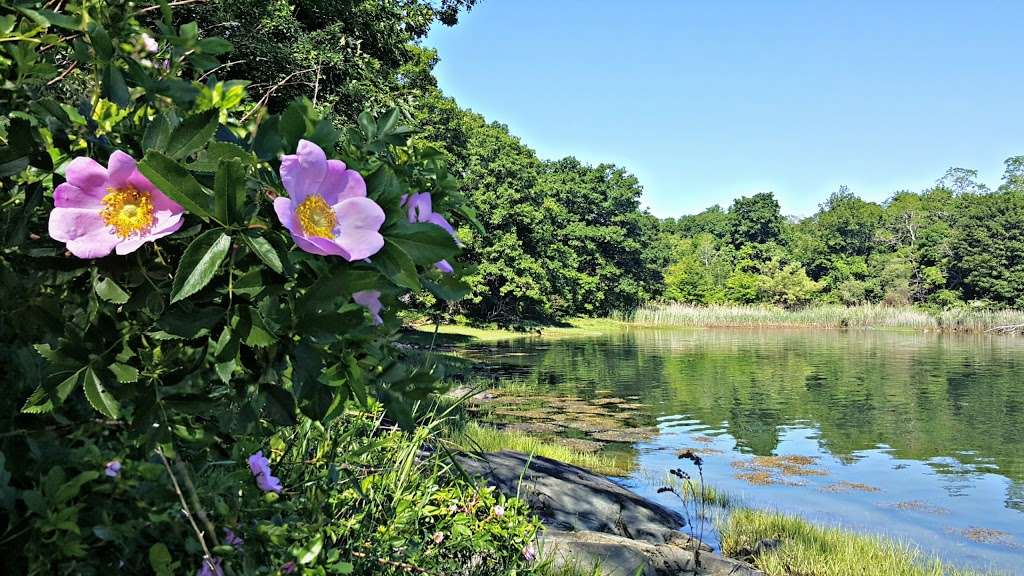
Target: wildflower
x,y
420,207
113,469
529,553
370,299
99,210
232,539
438,537
149,43
210,567
288,567
327,211
260,468
498,510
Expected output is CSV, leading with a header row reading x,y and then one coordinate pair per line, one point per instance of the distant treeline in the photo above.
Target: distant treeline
x,y
563,238
955,243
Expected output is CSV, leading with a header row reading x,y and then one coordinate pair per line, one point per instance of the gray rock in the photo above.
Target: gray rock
x,y
593,522
573,499
618,556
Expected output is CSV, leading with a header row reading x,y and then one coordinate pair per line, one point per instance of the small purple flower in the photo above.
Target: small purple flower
x,y
288,567
438,537
113,469
421,209
370,299
260,468
498,510
232,539
100,210
327,211
210,567
529,553
149,43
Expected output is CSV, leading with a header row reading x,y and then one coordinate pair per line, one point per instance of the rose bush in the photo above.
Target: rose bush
x,y
198,316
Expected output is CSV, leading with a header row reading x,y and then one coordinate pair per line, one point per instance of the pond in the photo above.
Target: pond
x,y
919,437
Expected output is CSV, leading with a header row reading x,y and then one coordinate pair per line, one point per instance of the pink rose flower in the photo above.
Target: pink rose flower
x,y
327,211
99,210
421,210
370,299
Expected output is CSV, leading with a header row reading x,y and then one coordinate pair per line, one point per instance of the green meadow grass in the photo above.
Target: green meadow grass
x,y
809,550
866,316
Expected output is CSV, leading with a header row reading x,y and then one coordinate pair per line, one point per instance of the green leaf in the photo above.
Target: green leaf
x,y
209,160
280,405
225,354
124,373
387,122
448,288
424,243
192,134
114,87
394,263
108,290
229,189
308,553
265,251
187,322
157,133
252,329
367,125
160,560
214,46
99,397
176,182
267,142
199,263
41,402
100,41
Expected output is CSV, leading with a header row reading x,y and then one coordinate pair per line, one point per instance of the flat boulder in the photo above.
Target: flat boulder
x,y
569,498
592,522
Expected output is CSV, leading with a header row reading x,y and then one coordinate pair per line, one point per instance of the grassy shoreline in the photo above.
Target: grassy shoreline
x,y
865,317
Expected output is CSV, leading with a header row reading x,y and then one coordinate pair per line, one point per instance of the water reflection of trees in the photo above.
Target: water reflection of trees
x,y
924,395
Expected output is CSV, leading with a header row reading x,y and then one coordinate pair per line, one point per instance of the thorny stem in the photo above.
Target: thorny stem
x,y
207,557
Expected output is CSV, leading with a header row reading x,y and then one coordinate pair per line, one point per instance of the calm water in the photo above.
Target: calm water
x,y
919,436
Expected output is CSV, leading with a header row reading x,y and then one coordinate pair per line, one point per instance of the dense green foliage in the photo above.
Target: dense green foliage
x,y
220,382
954,243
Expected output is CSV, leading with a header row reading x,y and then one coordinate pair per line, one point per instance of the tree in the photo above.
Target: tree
x,y
846,224
346,55
755,220
988,248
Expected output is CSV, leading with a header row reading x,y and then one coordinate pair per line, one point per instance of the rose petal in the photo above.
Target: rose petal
x,y
67,195
419,206
439,220
330,187
359,243
83,231
120,168
359,213
302,172
163,227
353,186
283,207
320,246
87,174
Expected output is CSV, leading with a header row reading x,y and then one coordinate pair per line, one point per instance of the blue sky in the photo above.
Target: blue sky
x,y
708,101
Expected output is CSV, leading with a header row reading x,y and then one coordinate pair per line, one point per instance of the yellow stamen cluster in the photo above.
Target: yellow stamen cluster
x,y
128,210
316,217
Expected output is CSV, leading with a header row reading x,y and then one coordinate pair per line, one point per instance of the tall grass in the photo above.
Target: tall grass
x,y
803,549
865,316
487,439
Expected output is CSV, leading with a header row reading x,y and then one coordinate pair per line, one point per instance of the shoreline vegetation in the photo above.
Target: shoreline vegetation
x,y
822,317
825,316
